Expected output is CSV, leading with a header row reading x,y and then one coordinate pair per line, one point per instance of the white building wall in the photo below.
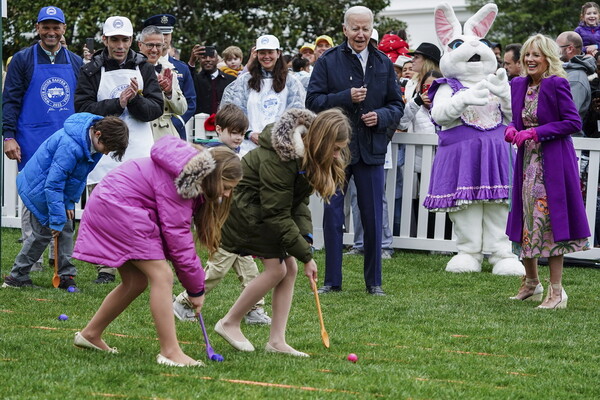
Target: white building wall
x,y
418,14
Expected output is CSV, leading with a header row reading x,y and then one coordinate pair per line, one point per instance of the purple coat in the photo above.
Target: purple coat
x,y
589,34
136,213
558,119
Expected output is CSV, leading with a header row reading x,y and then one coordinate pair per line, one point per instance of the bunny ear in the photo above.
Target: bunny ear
x,y
446,24
480,23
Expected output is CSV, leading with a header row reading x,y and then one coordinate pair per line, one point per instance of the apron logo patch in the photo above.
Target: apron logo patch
x,y
55,92
116,92
270,105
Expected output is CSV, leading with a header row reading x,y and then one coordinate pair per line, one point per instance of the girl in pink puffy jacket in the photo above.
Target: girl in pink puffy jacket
x,y
138,218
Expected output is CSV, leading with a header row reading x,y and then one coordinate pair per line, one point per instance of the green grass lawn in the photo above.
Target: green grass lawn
x,y
435,336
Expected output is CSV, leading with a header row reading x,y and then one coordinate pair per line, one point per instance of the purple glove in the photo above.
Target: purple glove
x,y
509,134
522,136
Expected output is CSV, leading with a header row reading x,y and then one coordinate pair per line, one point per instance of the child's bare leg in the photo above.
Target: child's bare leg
x,y
160,277
133,283
282,302
274,272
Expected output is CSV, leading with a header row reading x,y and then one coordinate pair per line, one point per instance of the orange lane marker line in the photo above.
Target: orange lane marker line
x,y
278,385
438,380
520,374
475,353
9,359
33,298
108,333
46,327
476,337
459,382
7,311
125,396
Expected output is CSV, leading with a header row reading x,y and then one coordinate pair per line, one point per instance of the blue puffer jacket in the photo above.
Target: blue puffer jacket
x,y
334,74
54,178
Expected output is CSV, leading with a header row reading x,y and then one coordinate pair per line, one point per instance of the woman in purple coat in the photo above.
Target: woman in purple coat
x,y
139,217
547,217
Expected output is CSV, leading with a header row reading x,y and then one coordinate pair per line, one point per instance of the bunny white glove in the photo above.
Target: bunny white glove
x,y
447,109
498,85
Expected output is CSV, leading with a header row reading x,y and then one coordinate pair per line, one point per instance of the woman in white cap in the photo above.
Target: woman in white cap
x,y
266,91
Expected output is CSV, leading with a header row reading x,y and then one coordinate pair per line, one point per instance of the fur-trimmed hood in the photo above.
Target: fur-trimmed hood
x,y
286,134
188,164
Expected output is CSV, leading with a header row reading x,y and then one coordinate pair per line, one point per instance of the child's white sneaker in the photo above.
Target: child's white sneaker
x,y
182,308
257,316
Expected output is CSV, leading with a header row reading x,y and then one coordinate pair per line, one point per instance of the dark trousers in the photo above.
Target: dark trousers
x,y
369,180
36,243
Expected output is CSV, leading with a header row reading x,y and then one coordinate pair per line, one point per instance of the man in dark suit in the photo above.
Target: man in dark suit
x,y
210,82
340,78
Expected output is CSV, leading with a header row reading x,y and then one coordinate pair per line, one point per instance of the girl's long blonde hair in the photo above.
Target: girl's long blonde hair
x,y
550,50
325,173
210,216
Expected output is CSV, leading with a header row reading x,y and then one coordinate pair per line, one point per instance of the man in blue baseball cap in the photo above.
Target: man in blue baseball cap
x,y
166,24
38,97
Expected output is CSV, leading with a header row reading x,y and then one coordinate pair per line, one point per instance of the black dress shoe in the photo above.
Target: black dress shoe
x,y
328,289
375,291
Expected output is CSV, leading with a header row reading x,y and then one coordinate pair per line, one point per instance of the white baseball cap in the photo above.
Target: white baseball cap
x,y
267,42
375,36
117,26
401,60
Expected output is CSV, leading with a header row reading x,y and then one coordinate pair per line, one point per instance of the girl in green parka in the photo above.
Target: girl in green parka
x,y
269,218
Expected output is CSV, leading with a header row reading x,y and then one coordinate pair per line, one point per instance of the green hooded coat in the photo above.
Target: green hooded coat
x,y
269,214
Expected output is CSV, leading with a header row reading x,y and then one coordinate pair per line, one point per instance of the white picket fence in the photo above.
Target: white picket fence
x,y
424,237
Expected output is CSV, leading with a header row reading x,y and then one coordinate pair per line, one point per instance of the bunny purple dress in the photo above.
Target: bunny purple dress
x,y
472,162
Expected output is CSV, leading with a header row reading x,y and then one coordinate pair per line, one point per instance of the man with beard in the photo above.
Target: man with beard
x,y
578,67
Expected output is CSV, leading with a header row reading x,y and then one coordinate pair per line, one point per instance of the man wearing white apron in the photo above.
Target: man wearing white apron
x,y
119,81
37,99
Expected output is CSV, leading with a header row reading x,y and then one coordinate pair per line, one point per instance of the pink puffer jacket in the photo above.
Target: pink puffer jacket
x,y
143,210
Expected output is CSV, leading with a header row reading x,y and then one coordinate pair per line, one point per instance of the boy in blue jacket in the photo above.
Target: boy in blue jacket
x,y
52,182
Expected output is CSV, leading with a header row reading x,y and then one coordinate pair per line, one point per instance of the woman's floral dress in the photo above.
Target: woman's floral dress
x,y
537,240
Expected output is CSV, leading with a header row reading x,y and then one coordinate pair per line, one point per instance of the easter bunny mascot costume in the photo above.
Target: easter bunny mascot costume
x,y
470,176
